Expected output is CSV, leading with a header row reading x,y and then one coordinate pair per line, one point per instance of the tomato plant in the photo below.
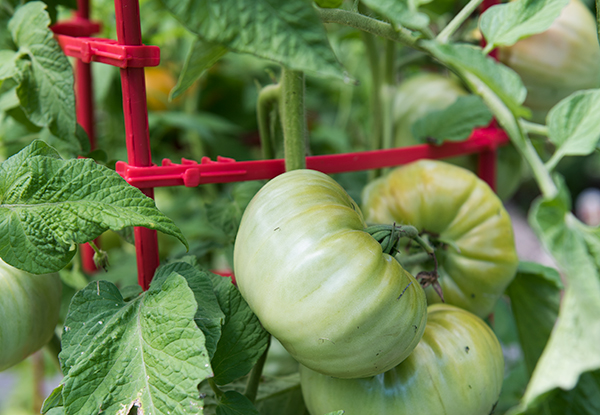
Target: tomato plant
x,y
457,369
29,308
476,258
322,285
290,78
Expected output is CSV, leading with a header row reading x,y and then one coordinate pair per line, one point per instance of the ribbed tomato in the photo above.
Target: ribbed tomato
x,y
29,307
320,284
457,369
460,214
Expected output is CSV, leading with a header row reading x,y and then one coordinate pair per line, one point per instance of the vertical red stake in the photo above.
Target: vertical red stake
x,y
85,117
127,13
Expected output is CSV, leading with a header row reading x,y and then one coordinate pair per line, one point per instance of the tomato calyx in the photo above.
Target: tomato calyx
x,y
388,237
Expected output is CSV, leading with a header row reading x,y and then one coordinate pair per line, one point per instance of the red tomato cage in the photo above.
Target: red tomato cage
x,y
131,56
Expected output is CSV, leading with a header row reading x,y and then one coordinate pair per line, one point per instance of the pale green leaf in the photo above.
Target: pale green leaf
x,y
454,123
202,56
573,124
288,32
146,353
505,24
209,317
54,401
243,339
534,299
399,13
46,89
49,205
467,61
572,348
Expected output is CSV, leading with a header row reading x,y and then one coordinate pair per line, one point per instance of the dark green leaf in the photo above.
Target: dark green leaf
x,y
234,403
48,206
285,31
201,57
505,24
146,353
535,299
454,123
467,61
243,339
209,316
46,89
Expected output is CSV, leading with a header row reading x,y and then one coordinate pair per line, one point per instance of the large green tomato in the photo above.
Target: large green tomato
x,y
451,205
29,307
457,369
320,284
559,61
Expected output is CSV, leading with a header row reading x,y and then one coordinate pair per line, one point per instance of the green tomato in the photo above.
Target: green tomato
x,y
320,284
559,61
29,307
419,95
457,369
477,257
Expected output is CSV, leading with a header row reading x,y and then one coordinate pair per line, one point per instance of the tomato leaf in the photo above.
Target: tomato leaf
x,y
146,353
243,339
45,79
570,356
234,403
573,124
534,299
505,24
285,31
209,318
49,205
467,61
399,13
454,123
202,56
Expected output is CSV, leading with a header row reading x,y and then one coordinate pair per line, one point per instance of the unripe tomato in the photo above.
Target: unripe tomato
x,y
419,95
555,63
29,307
477,256
457,369
320,284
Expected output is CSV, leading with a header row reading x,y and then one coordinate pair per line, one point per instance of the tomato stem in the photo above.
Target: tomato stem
x,y
255,374
268,100
451,28
294,120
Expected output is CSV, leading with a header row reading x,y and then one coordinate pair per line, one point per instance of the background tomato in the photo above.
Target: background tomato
x,y
29,307
320,284
555,63
457,369
477,256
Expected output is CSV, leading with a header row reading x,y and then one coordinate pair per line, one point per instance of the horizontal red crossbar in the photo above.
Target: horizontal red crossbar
x,y
224,170
108,51
77,27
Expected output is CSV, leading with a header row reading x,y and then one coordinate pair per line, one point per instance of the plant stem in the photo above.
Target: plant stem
x,y
268,98
534,128
255,374
451,28
294,120
508,121
370,25
215,388
388,93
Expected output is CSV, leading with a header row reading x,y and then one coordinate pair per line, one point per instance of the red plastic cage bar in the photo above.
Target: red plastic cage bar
x,y
129,54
